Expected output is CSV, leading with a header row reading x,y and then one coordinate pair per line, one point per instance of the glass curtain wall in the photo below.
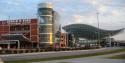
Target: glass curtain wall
x,y
46,26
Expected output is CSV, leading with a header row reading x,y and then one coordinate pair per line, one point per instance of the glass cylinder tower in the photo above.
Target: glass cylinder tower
x,y
46,24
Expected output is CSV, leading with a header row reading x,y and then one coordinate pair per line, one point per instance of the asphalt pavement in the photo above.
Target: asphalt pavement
x,y
25,56
95,59
85,60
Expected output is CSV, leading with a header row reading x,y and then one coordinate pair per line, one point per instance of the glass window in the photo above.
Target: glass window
x,y
45,19
45,28
44,37
26,27
44,11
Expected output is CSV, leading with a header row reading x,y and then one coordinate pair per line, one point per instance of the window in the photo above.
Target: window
x,y
45,20
44,37
45,28
26,27
44,11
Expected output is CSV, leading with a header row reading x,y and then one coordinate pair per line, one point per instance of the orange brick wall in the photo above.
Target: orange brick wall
x,y
33,31
4,27
63,41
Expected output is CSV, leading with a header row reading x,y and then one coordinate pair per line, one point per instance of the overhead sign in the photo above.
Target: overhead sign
x,y
19,21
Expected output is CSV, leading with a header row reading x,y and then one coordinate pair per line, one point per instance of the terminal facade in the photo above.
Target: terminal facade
x,y
24,31
45,31
31,33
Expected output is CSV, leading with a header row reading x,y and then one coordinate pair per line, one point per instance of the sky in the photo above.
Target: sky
x,y
111,12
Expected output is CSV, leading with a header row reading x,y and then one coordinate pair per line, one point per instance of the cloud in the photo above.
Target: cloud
x,y
91,20
17,9
71,11
62,10
57,1
78,18
102,8
93,2
120,36
115,13
13,3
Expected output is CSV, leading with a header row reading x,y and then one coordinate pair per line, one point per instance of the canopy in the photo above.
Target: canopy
x,y
19,37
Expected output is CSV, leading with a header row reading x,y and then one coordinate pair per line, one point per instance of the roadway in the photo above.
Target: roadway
x,y
25,56
95,59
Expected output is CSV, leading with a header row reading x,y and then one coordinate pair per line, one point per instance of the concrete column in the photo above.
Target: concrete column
x,y
18,44
109,41
117,44
114,44
8,46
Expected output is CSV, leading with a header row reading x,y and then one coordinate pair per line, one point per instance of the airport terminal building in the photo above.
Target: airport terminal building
x,y
41,32
87,34
30,33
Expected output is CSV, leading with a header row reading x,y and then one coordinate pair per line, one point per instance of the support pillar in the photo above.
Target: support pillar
x,y
18,44
8,46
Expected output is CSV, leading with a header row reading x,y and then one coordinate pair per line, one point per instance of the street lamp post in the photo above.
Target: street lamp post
x,y
98,28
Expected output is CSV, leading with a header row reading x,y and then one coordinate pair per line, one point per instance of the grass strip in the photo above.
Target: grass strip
x,y
118,57
67,57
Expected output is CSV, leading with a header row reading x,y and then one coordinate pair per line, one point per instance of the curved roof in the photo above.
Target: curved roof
x,y
89,32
